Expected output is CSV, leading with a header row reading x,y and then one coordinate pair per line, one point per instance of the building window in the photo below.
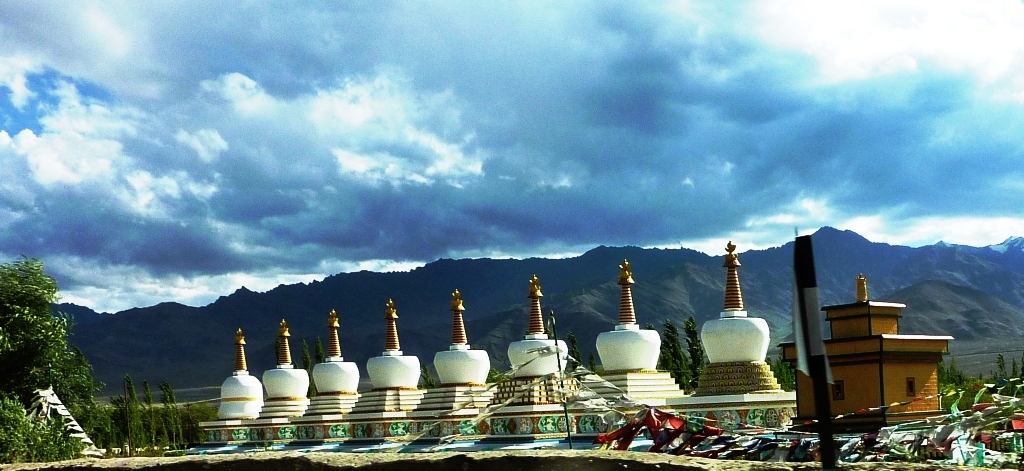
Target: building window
x,y
838,391
911,387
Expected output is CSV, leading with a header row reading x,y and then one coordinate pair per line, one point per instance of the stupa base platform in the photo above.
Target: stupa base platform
x,y
389,400
738,377
652,388
771,410
326,404
277,408
455,397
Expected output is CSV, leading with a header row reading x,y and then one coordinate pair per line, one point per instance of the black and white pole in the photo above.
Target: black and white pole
x,y
810,347
561,382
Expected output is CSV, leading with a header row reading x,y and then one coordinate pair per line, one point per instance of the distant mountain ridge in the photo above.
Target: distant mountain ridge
x,y
969,292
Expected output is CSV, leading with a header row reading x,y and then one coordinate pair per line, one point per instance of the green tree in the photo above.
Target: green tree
x,y
33,341
496,376
426,380
576,358
318,351
171,414
671,357
34,354
1001,367
784,374
694,349
307,364
150,424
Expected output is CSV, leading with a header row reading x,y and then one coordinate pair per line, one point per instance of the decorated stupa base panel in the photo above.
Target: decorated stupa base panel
x,y
738,377
533,391
735,419
549,424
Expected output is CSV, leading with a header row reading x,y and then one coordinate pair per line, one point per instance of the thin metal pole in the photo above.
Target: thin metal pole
x,y
561,382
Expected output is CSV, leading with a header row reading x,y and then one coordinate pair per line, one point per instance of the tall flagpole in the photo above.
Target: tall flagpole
x,y
811,359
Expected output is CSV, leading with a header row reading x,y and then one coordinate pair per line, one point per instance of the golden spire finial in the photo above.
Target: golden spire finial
x,y
733,296
284,352
626,313
457,301
390,312
391,332
458,327
862,288
535,287
535,326
731,259
625,273
240,351
333,343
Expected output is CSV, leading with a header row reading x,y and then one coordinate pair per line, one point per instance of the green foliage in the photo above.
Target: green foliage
x,y
170,416
671,358
318,348
426,380
33,342
694,349
576,358
25,440
496,376
307,364
34,354
592,364
1001,372
784,374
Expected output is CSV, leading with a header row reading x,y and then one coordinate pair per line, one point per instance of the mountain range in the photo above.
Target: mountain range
x,y
975,294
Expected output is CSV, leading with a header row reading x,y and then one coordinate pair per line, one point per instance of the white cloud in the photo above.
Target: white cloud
x,y
242,91
206,142
863,39
12,75
918,231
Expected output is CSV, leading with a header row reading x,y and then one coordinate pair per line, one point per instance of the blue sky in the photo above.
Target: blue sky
x,y
177,151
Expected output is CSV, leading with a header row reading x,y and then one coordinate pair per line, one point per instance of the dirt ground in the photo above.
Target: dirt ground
x,y
560,460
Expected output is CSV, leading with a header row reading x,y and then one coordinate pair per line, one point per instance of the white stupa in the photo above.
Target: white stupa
x,y
395,376
735,344
535,354
462,371
336,379
241,395
286,385
629,355
460,364
628,348
392,369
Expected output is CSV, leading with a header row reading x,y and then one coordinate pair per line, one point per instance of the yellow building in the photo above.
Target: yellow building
x,y
873,365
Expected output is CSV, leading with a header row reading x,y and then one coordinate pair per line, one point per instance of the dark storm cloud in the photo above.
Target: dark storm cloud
x,y
273,137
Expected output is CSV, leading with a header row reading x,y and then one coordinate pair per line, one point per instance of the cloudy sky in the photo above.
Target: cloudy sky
x,y
159,151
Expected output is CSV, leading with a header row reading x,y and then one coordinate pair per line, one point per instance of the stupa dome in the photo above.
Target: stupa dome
x,y
628,348
241,395
393,370
460,364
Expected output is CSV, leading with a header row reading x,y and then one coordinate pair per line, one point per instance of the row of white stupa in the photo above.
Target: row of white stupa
x,y
734,338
